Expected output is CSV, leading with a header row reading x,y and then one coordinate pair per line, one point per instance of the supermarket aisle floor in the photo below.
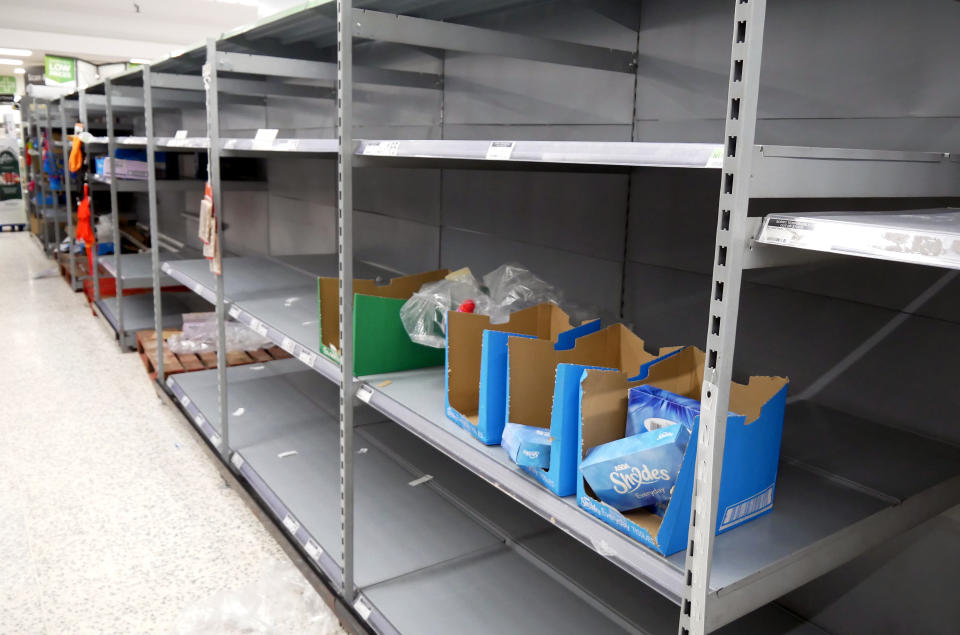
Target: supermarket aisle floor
x,y
112,519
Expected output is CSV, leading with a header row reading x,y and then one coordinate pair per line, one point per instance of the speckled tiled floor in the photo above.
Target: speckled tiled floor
x,y
112,520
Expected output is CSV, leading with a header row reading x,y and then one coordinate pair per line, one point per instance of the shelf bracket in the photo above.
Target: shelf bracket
x,y
733,229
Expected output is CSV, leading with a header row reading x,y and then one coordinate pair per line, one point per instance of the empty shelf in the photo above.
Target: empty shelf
x,y
137,269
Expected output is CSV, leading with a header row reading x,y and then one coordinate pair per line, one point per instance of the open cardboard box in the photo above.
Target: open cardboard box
x,y
544,389
751,452
380,343
476,363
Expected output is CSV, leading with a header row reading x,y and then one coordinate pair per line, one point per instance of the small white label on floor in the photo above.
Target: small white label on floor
x,y
184,400
381,148
716,159
264,137
364,393
500,150
291,524
362,609
237,460
234,311
307,358
313,550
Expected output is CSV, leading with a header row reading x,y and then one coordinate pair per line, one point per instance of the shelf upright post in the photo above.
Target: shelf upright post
x,y
345,252
154,223
68,192
43,189
115,212
213,170
731,244
94,262
56,206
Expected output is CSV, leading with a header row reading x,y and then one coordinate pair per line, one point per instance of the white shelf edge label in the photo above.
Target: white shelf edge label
x,y
180,134
264,137
291,524
288,345
364,393
258,326
381,148
234,311
307,357
313,550
199,420
362,609
216,439
237,460
500,150
716,158
184,400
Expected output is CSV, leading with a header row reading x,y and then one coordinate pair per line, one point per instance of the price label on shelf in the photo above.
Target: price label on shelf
x,y
381,148
185,401
180,134
362,609
716,158
288,345
307,358
313,550
287,145
264,138
237,460
500,150
234,311
199,420
216,440
291,524
364,393
258,326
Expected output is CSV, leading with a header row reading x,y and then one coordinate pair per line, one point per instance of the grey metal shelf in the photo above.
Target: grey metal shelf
x,y
277,298
452,548
137,269
179,185
926,237
138,312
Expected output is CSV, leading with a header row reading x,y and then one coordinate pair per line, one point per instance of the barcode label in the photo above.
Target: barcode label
x,y
234,311
362,609
753,506
237,460
258,326
500,150
307,358
291,524
364,393
381,148
288,345
313,550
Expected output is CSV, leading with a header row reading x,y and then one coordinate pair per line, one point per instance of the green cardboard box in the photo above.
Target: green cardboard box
x,y
380,343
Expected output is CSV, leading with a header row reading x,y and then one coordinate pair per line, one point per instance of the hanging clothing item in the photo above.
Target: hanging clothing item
x,y
76,155
84,228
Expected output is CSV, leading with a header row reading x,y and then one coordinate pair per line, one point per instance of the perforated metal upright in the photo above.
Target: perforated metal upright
x,y
115,212
154,223
68,192
345,251
731,243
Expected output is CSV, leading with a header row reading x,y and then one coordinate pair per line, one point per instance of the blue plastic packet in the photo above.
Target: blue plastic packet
x,y
650,408
527,446
639,470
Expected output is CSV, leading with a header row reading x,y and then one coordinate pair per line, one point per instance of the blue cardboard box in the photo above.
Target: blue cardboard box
x,y
476,363
543,388
527,446
750,457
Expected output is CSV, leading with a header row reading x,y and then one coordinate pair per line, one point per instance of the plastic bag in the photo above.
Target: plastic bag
x,y
105,233
199,335
279,601
424,315
506,289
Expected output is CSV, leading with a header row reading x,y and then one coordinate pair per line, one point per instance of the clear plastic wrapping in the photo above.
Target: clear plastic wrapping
x,y
199,335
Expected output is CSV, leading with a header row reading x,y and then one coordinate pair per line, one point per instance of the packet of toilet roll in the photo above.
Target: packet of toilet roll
x,y
650,408
639,470
527,446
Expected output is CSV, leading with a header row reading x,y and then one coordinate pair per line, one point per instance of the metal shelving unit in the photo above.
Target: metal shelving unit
x,y
832,504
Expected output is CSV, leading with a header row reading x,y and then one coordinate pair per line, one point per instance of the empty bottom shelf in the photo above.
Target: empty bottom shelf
x,y
138,310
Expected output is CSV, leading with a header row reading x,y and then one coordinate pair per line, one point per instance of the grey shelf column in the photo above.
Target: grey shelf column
x,y
69,194
154,223
345,251
730,247
210,73
95,260
115,212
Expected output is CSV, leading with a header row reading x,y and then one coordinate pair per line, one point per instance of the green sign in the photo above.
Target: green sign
x,y
60,70
9,176
8,85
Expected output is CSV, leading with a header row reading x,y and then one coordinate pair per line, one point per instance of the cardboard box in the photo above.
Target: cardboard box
x,y
476,363
380,343
750,457
543,388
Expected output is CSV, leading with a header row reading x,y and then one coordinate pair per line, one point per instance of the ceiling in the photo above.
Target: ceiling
x,y
102,31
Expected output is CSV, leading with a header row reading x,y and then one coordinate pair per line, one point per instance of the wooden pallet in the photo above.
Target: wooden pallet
x,y
185,363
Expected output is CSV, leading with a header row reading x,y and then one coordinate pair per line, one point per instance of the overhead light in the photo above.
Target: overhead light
x,y
20,71
7,61
139,60
16,52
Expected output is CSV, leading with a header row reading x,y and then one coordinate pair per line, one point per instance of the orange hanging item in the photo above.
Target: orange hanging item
x,y
76,155
84,228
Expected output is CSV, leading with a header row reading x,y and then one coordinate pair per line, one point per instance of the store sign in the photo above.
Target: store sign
x,y
59,70
8,85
